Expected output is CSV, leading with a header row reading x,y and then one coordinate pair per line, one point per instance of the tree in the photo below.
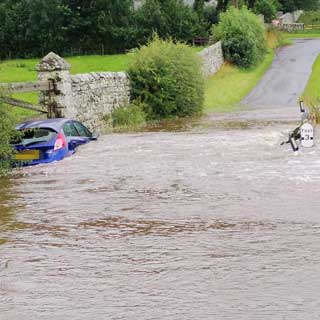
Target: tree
x,y
198,7
291,5
268,8
45,30
169,19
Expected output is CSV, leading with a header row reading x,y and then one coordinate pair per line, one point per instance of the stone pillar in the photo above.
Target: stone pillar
x,y
59,98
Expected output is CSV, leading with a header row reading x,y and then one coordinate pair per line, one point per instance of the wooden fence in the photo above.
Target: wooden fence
x,y
312,26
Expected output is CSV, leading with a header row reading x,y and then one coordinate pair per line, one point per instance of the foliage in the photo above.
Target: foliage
x,y
276,38
168,78
77,27
169,19
268,8
285,5
226,89
310,17
7,133
131,116
211,15
242,35
291,5
311,95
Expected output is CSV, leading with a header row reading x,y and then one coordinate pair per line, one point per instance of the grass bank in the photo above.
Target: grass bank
x,y
22,70
302,35
312,90
311,94
225,90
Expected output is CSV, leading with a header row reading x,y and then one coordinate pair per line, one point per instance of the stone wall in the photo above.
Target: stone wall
x,y
85,97
212,58
96,94
290,27
88,97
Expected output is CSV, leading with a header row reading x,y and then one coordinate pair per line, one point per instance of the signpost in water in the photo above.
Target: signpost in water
x,y
307,140
304,133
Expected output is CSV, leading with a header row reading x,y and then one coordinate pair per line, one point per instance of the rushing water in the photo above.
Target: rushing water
x,y
213,222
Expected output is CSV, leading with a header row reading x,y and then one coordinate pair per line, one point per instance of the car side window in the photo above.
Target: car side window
x,y
70,130
83,131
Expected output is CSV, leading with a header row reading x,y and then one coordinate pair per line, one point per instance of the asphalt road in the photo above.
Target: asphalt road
x,y
285,81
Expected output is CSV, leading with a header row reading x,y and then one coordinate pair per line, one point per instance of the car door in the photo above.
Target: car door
x,y
82,130
73,137
85,132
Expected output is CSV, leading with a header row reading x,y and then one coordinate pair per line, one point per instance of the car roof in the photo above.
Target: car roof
x,y
54,124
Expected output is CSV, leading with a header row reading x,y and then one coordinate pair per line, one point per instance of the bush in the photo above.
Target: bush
x,y
276,38
268,8
168,78
7,133
131,116
242,35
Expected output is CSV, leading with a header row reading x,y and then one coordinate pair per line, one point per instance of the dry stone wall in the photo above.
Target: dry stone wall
x,y
96,94
88,97
212,59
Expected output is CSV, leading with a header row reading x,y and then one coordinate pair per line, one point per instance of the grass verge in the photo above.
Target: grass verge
x,y
311,94
302,35
225,90
22,70
230,85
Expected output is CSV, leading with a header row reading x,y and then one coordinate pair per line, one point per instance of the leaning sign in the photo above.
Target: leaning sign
x,y
307,140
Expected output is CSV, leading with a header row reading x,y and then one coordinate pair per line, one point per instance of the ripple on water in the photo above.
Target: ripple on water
x,y
216,223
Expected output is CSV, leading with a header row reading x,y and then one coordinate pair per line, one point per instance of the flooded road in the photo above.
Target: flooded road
x,y
213,222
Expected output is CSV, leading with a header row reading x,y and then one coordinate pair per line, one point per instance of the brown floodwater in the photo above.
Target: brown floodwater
x,y
204,222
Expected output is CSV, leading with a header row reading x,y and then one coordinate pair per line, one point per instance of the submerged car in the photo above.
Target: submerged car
x,y
45,141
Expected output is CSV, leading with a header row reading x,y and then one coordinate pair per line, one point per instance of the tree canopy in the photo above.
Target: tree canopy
x,y
31,28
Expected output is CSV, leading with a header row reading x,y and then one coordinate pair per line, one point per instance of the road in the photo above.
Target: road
x,y
285,81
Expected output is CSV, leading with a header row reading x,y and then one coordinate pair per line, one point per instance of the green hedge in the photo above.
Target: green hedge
x,y
167,77
242,35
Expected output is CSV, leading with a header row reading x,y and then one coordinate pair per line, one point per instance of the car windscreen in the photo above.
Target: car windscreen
x,y
35,135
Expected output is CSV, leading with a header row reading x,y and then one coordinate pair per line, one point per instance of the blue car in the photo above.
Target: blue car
x,y
45,141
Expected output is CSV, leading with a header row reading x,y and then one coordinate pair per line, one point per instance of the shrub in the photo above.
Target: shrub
x,y
268,8
242,35
131,116
7,133
168,78
276,39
